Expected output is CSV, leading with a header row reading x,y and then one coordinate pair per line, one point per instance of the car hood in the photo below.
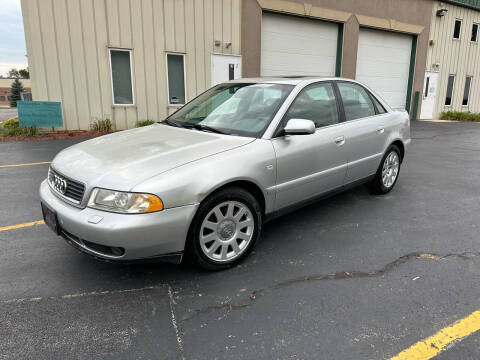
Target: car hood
x,y
122,160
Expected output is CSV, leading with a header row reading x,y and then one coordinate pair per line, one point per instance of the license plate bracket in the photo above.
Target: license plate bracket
x,y
50,218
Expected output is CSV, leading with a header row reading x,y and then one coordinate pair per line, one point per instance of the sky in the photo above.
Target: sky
x,y
12,41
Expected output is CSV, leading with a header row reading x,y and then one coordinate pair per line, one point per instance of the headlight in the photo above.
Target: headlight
x,y
124,202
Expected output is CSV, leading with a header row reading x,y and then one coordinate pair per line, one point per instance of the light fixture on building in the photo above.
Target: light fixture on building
x,y
227,45
217,42
442,12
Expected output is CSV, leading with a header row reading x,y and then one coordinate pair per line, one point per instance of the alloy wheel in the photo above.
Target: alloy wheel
x,y
226,231
390,169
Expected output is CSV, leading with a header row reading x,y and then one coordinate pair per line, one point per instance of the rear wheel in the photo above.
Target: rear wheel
x,y
388,171
225,229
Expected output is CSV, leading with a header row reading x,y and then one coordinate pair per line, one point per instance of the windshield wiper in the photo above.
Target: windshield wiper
x,y
202,127
171,123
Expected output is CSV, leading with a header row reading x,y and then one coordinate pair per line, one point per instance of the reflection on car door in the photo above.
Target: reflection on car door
x,y
364,130
309,165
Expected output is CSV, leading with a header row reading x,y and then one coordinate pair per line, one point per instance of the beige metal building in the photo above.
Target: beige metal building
x,y
452,77
133,60
127,60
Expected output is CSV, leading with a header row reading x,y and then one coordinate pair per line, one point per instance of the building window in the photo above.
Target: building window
x,y
2,98
457,29
466,91
450,84
474,33
121,69
176,79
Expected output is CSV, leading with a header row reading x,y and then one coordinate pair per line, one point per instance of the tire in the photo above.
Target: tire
x,y
389,167
225,229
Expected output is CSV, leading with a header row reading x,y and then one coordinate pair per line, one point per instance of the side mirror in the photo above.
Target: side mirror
x,y
299,127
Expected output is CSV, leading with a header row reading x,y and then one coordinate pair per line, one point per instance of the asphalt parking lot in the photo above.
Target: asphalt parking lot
x,y
354,276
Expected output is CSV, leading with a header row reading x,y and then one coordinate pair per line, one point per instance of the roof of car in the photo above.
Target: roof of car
x,y
291,80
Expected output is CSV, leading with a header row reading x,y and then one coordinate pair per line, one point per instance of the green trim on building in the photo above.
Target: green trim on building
x,y
416,99
411,73
338,64
471,4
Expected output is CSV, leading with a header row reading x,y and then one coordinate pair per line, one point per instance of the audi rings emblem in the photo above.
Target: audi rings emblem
x,y
59,183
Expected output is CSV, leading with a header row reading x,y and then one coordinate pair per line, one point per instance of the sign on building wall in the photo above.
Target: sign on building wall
x,y
40,113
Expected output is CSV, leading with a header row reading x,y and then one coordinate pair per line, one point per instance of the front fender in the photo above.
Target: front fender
x,y
193,182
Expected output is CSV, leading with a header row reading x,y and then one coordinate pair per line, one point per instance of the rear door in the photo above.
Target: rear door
x,y
309,165
365,130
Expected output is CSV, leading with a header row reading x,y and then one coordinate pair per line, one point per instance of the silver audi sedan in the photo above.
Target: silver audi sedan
x,y
203,181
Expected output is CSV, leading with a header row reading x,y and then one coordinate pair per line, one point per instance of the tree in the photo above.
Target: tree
x,y
24,73
13,73
16,89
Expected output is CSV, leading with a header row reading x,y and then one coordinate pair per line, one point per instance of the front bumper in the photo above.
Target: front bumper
x,y
142,236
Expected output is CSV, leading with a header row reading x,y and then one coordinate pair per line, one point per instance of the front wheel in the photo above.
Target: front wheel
x,y
225,229
387,173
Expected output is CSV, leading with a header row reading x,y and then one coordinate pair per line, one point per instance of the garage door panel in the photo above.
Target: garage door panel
x,y
297,46
281,64
389,69
397,56
383,64
273,43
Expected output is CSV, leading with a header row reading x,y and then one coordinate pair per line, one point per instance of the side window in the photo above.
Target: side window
x,y
317,103
380,108
356,102
457,29
450,83
176,79
122,85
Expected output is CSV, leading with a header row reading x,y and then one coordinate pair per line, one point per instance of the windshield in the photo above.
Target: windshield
x,y
237,109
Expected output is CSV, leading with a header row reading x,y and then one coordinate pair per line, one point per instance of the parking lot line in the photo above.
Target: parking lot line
x,y
25,164
19,226
432,346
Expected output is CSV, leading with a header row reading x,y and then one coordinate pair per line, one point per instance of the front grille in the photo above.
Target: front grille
x,y
74,190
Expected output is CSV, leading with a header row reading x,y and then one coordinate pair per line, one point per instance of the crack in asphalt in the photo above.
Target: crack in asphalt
x,y
257,294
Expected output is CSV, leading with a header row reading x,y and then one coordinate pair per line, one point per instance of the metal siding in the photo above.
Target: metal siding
x,y
161,80
68,44
149,58
91,59
190,64
103,67
138,64
457,57
74,20
208,18
199,46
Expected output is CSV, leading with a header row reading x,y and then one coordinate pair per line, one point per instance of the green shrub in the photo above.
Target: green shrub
x,y
29,131
103,126
460,116
11,124
12,127
144,123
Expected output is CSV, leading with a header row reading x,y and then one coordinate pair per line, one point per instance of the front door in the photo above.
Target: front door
x,y
309,165
429,94
225,67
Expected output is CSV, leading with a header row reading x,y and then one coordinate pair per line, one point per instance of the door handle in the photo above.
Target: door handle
x,y
381,130
340,140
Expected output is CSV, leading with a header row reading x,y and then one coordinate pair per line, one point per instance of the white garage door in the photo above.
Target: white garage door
x,y
383,64
297,46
